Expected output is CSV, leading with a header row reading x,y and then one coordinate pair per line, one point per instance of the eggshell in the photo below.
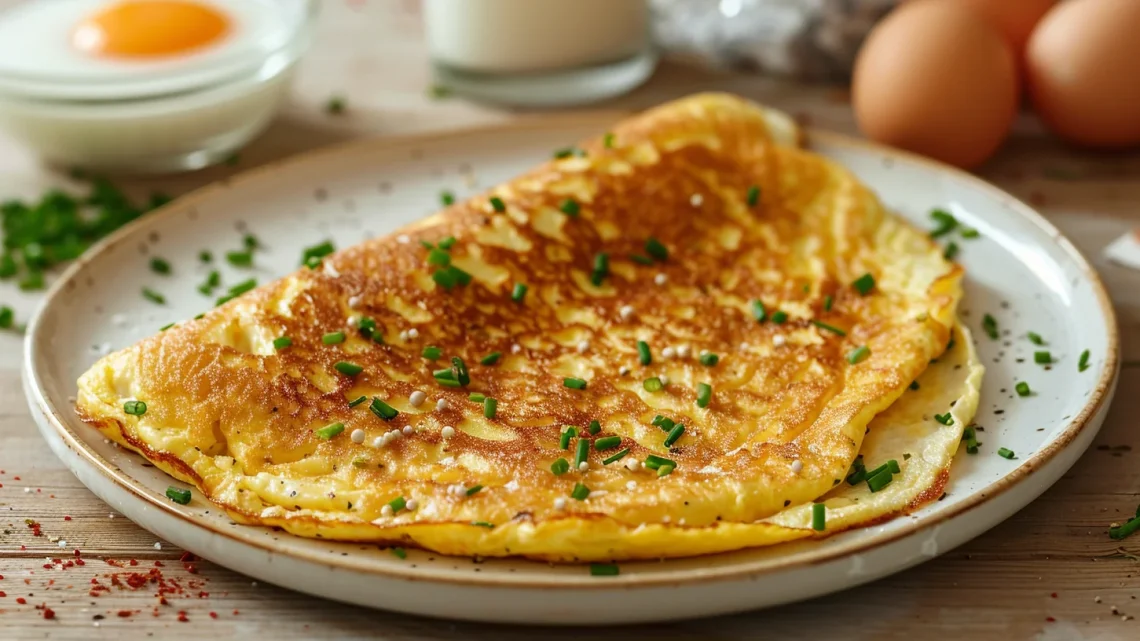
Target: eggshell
x,y
936,78
1083,64
1014,18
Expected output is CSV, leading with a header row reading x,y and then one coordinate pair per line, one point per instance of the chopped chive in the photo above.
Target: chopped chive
x,y
864,284
497,204
945,419
490,359
674,435
656,250
831,328
753,195
432,353
438,257
399,553
382,409
709,359
560,467
574,383
316,253
818,517
335,105
641,260
366,327
759,312
914,385
333,338
858,355
608,140
1118,532
348,369
1035,338
159,266
250,241
581,452
472,491
240,258
607,443
178,495
214,278
566,152
569,207
490,407
827,302
1006,453
970,436
330,430
167,326
619,455
946,222
704,394
519,292
970,233
1023,389
357,401
990,327
653,384
447,373
153,296
643,354
880,480
447,243
601,268
243,287
779,317
281,342
567,434
580,492
665,470
460,371
483,524
224,299
447,198
205,256
1083,363
951,251
858,471
594,427
7,317
134,408
653,462
893,466
476,397
665,424
426,245
444,278
1042,358
397,504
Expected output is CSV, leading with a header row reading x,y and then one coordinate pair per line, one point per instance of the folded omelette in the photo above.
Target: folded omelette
x,y
673,339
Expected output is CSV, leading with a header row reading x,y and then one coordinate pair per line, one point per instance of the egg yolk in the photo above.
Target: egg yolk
x,y
150,28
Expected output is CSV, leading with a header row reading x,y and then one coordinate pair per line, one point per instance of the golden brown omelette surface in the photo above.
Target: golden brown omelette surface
x,y
732,257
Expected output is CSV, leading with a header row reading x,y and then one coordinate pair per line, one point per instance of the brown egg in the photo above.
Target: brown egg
x,y
1014,18
936,78
1083,64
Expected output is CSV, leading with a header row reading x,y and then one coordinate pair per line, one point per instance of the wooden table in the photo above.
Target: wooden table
x,y
1050,572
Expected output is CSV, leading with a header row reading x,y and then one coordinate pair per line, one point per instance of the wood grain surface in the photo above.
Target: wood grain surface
x,y
1049,572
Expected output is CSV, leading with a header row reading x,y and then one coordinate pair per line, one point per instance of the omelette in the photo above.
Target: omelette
x,y
672,339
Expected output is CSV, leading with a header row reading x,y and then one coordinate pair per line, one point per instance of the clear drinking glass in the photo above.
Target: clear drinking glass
x,y
540,52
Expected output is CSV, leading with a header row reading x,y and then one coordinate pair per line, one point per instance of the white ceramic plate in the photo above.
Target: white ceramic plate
x,y
1021,270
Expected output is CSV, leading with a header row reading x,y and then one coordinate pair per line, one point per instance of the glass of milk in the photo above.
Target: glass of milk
x,y
540,52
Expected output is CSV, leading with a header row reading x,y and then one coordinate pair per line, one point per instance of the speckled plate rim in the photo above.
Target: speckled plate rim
x,y
1106,377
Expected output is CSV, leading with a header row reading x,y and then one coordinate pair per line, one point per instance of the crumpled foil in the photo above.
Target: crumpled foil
x,y
803,39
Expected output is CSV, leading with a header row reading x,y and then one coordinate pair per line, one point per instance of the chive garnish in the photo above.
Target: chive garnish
x,y
1022,389
1118,532
574,383
594,427
619,455
357,401
242,258
134,408
490,407
653,384
472,491
990,327
476,397
864,284
951,251
497,204
566,152
250,241
348,369
858,355
708,359
243,287
753,195
704,394
831,328
581,452
438,257
447,373
483,524
444,278
153,296
643,354
1083,363
399,553
366,326
858,471
665,470
653,462
1042,358
314,254
1006,453
914,385
167,326
7,317
205,256
335,105
282,342
970,436
641,260
382,409
460,368
213,279
490,359
827,302
447,243
818,517
664,423
330,430
178,495
656,250
608,140
945,419
601,269
569,207
518,293
397,504
970,233
946,222
879,481
580,492
333,338
674,435
1035,338
759,312
779,317
560,467
607,443
447,198
159,266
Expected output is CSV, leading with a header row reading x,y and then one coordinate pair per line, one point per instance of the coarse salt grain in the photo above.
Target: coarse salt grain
x,y
354,301
661,278
409,430
516,348
626,311
668,352
357,436
417,398
624,370
797,466
403,335
696,200
631,485
447,431
441,404
779,340
683,351
560,503
413,333
386,510
412,504
379,442
583,347
403,239
664,379
583,466
158,545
